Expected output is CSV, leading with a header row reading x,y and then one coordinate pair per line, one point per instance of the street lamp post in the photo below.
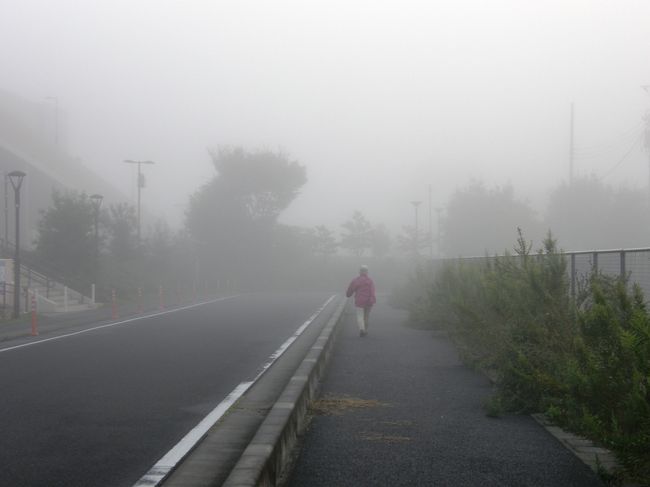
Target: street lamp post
x,y
439,237
416,240
5,243
96,200
140,186
16,178
430,227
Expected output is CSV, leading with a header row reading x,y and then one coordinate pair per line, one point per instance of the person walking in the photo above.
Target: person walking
x,y
364,298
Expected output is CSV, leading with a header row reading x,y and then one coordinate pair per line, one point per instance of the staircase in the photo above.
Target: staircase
x,y
52,296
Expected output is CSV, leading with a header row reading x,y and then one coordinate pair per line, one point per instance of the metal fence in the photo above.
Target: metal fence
x,y
633,263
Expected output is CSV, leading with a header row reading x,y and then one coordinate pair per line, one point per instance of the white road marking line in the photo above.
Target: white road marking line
x,y
275,355
116,323
173,457
163,466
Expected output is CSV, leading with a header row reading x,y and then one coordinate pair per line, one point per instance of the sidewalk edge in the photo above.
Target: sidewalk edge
x,y
267,455
597,458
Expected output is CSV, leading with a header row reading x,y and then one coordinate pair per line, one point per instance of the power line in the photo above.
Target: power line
x,y
611,146
623,159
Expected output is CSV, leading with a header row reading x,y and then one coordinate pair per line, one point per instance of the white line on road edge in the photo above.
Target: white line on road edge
x,y
163,466
173,457
116,323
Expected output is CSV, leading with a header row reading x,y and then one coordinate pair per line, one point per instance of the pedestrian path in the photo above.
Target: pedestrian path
x,y
397,408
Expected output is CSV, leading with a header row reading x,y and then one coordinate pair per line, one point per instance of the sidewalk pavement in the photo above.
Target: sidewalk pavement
x,y
398,408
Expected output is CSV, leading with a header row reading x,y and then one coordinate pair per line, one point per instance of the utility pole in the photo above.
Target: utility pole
x,y
646,118
571,150
140,186
647,147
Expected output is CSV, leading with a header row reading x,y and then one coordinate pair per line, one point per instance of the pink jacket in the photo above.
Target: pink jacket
x,y
364,291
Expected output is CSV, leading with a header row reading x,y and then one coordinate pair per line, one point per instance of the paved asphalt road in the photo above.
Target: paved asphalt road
x,y
404,411
100,408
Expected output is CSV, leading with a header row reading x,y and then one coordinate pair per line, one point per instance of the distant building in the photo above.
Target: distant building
x,y
32,140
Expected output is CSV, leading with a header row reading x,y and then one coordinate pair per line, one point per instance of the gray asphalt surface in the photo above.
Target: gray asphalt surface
x,y
429,428
100,408
48,323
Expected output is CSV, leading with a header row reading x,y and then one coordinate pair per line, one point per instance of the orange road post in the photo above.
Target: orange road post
x,y
34,316
114,304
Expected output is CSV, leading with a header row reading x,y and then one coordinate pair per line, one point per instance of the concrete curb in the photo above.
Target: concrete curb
x,y
266,456
593,456
597,458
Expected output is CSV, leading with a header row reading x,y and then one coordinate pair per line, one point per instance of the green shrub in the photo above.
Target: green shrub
x,y
587,364
610,397
494,406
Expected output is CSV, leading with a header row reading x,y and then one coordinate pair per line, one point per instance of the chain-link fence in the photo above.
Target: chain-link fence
x,y
633,263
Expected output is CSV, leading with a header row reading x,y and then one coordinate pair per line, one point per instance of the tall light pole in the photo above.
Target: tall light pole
x,y
430,226
56,117
439,238
96,200
140,186
16,178
5,244
416,240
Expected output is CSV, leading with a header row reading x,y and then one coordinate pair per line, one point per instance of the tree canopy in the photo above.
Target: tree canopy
x,y
591,215
231,218
66,234
481,220
324,243
122,228
357,234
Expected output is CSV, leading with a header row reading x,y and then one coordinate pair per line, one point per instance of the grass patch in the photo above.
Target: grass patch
x,y
494,407
382,438
339,404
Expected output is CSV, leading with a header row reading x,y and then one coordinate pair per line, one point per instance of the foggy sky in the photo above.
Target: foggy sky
x,y
378,99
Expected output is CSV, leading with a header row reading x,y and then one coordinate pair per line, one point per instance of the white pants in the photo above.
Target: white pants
x,y
362,318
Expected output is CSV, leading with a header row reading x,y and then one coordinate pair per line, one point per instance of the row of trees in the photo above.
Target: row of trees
x,y
233,220
586,214
66,246
231,234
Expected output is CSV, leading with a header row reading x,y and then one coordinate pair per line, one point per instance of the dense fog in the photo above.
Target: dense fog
x,y
433,128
